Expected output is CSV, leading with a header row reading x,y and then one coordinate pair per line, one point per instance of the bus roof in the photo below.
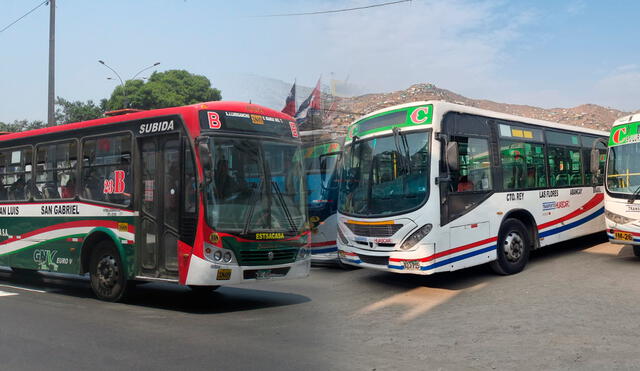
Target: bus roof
x,y
185,111
446,106
627,119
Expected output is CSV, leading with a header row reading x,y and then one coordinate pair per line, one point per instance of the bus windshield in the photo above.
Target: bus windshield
x,y
257,186
385,175
623,170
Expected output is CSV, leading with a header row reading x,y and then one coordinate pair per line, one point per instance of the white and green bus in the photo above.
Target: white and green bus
x,y
431,186
623,183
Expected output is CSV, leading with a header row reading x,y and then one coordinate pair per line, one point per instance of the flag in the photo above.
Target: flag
x,y
310,104
290,103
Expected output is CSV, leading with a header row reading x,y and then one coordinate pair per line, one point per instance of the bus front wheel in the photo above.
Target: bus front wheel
x,y
512,249
636,251
203,290
107,274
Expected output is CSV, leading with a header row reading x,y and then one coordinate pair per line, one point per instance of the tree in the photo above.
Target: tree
x,y
68,112
164,89
21,125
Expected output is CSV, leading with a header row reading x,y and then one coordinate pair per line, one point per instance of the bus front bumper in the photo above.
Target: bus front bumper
x,y
206,273
415,261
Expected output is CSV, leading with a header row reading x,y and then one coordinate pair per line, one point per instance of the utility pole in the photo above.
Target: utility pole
x,y
51,119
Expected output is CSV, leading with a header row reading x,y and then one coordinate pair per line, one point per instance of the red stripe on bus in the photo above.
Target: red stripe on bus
x,y
450,251
318,244
80,223
597,199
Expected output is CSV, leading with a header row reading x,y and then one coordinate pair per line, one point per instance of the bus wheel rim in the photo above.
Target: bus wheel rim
x,y
513,246
108,271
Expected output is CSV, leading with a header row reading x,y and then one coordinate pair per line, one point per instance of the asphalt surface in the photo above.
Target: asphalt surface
x,y
576,306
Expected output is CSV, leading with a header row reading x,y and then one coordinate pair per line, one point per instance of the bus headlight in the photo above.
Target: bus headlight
x,y
303,253
226,257
416,237
217,256
617,218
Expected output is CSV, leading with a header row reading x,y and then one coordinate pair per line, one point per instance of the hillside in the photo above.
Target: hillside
x,y
586,115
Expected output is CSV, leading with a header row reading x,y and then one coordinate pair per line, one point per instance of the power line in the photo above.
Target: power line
x,y
26,14
334,11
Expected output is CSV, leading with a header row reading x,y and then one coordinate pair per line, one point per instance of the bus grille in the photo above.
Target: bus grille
x,y
261,256
377,260
375,230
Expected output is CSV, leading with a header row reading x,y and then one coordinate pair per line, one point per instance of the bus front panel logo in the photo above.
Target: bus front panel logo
x,y
420,115
616,135
214,120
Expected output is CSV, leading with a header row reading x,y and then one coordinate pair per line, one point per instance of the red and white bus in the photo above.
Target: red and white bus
x,y
197,195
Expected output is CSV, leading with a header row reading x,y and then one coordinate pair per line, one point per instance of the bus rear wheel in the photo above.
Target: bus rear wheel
x,y
108,279
512,249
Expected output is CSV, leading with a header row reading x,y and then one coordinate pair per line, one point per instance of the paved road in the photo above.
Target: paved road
x,y
576,306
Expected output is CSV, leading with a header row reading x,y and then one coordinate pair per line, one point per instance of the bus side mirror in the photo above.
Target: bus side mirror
x,y
205,159
595,161
453,156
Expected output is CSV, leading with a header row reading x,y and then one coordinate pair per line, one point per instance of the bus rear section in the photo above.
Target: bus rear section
x,y
432,187
623,183
197,195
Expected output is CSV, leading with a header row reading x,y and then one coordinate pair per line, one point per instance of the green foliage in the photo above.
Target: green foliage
x,y
164,89
68,112
21,125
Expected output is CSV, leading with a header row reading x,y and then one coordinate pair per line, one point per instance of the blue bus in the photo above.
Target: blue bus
x,y
321,158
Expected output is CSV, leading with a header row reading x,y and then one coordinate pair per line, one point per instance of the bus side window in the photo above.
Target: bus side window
x,y
55,170
474,173
106,169
16,177
523,165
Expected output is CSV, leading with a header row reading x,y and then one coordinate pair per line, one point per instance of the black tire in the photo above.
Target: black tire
x,y
513,248
23,271
344,266
108,280
203,290
636,251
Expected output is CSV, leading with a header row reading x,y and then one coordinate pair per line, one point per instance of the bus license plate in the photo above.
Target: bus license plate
x,y
263,274
624,236
223,274
412,265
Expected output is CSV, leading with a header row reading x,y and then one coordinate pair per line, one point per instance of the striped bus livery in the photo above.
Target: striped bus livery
x,y
431,187
191,195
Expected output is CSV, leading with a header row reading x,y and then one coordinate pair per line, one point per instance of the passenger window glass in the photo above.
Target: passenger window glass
x,y
106,169
15,174
56,171
523,165
564,166
190,185
566,139
475,169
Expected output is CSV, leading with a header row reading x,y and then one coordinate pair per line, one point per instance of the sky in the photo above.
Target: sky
x,y
547,53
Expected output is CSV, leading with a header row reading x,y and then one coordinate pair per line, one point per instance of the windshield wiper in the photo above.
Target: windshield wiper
x,y
398,138
634,195
287,213
253,203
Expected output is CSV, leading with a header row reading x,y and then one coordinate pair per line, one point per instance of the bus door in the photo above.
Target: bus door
x,y
159,205
464,208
